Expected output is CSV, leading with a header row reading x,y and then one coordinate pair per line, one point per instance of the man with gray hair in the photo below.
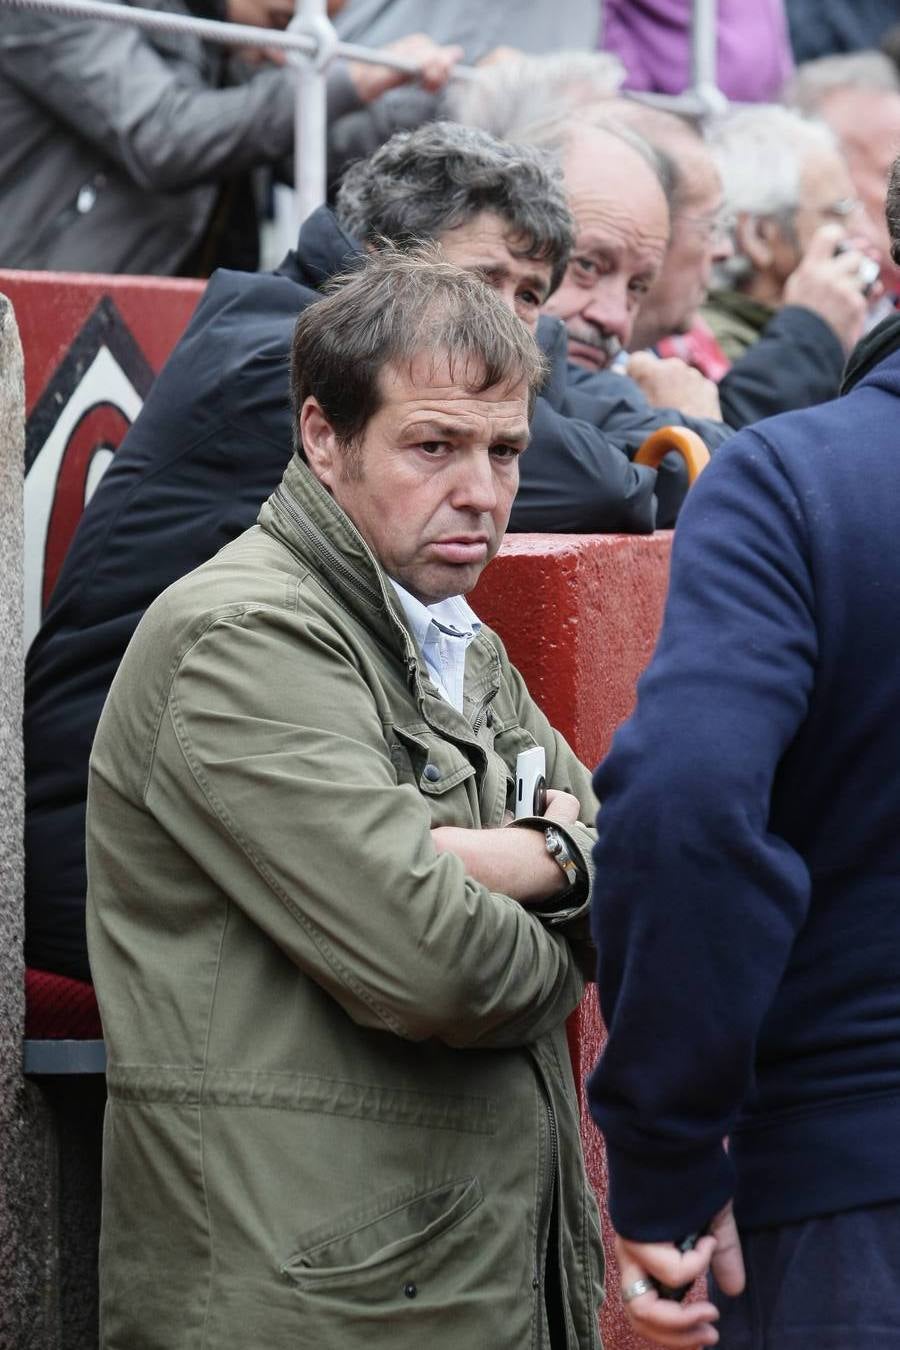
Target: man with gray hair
x,y
796,361
798,230
334,977
858,95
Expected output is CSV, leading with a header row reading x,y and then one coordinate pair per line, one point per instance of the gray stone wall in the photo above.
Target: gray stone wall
x,y
28,1250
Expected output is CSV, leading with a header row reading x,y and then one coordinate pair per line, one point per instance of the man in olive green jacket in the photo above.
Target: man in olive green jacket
x,y
334,990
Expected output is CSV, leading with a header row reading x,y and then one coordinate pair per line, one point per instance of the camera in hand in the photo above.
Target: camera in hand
x,y
868,271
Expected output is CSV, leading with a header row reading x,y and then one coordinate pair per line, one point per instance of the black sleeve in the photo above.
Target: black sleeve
x,y
618,407
797,362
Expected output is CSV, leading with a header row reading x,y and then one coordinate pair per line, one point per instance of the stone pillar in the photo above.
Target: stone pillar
x,y
28,1319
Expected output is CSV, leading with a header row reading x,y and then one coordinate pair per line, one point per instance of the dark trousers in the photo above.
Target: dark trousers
x,y
830,1283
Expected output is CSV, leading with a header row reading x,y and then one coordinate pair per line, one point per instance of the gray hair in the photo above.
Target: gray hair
x,y
760,152
558,135
389,309
813,81
511,98
666,132
421,183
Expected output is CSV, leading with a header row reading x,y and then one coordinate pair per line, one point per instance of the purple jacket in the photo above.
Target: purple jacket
x,y
652,38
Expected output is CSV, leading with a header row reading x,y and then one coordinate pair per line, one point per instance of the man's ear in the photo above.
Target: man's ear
x,y
320,446
754,235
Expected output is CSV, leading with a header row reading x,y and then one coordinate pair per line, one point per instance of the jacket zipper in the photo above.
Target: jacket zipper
x,y
317,541
542,1252
483,710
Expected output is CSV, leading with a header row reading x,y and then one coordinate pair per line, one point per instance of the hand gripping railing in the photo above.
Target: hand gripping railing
x,y
311,43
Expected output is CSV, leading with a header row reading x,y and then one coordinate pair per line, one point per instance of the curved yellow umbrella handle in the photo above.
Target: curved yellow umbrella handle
x,y
688,444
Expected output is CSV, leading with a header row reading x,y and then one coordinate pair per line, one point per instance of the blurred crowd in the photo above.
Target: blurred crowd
x,y
131,151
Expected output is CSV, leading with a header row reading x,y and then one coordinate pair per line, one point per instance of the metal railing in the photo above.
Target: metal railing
x,y
311,43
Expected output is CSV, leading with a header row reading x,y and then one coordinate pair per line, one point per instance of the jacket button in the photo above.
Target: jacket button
x,y
535,1283
431,772
410,1289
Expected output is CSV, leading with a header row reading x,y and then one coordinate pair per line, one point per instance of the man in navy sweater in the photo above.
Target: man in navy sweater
x,y
747,910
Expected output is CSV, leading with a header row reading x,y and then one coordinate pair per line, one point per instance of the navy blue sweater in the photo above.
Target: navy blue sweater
x,y
747,909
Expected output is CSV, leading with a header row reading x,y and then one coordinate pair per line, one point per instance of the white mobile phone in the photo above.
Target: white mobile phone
x,y
531,782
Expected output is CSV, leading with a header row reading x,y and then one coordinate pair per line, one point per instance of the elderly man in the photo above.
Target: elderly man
x,y
334,982
746,909
618,189
698,239
858,95
611,152
210,442
792,198
620,241
798,362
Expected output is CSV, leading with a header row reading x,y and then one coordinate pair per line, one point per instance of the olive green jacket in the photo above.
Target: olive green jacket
x,y
737,321
340,1098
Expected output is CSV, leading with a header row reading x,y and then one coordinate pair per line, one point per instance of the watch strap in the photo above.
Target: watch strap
x,y
558,848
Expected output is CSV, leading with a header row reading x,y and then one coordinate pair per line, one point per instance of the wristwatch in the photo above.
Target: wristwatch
x,y
559,852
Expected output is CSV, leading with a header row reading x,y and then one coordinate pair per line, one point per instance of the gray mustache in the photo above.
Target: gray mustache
x,y
593,337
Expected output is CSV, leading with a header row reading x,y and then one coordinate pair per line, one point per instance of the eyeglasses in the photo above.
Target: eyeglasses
x,y
841,209
719,225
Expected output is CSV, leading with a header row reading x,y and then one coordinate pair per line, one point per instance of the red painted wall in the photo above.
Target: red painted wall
x,y
52,308
579,615
92,346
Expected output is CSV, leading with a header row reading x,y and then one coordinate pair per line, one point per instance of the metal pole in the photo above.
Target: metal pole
x,y
310,114
227,34
704,61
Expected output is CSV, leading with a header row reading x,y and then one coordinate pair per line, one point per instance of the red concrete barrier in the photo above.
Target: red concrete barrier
x,y
579,613
92,345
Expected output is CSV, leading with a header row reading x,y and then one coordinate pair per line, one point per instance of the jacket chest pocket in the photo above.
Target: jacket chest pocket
x,y
510,739
441,772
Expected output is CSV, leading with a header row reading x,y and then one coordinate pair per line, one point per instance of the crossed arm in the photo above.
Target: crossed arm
x,y
514,862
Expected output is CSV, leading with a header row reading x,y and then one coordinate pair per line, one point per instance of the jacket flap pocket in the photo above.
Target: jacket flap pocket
x,y
389,1236
438,765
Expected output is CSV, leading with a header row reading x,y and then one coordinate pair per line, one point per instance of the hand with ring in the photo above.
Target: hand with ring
x,y
664,1321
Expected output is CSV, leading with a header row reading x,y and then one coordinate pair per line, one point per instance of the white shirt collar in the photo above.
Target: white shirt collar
x,y
442,631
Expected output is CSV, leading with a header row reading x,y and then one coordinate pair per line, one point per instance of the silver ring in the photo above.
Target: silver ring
x,y
635,1289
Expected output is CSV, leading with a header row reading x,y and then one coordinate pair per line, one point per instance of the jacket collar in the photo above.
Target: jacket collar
x,y
324,248
307,520
744,307
552,339
304,516
871,350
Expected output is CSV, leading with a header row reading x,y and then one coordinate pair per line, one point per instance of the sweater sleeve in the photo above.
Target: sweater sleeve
x,y
696,901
